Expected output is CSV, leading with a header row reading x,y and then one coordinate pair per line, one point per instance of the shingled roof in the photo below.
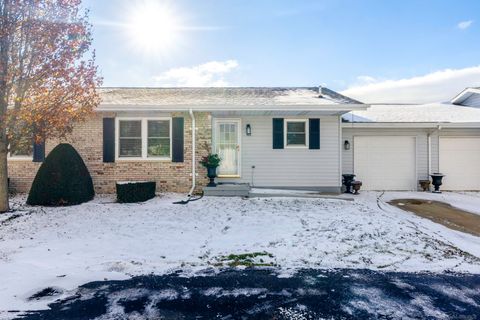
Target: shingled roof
x,y
432,112
223,96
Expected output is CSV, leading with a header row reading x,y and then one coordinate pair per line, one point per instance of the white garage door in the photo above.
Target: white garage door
x,y
386,162
459,160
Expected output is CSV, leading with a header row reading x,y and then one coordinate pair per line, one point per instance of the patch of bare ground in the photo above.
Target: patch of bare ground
x,y
443,213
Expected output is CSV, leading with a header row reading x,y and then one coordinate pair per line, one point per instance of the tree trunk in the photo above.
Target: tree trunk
x,y
4,48
4,206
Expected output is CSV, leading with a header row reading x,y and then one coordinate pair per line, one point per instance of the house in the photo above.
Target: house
x,y
470,97
293,140
301,138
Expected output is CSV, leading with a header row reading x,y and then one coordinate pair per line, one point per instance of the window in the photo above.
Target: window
x,y
145,138
22,149
158,138
296,134
130,138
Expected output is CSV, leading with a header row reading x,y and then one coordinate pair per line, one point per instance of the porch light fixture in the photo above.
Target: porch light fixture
x,y
346,145
248,130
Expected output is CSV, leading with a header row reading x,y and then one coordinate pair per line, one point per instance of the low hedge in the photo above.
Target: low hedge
x,y
129,192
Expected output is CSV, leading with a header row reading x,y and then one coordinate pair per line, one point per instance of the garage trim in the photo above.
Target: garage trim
x,y
439,157
414,186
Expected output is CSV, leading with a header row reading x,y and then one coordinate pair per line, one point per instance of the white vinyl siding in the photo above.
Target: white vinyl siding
x,y
289,167
385,162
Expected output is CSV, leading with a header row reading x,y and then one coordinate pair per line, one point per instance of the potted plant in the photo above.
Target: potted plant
x,y
211,162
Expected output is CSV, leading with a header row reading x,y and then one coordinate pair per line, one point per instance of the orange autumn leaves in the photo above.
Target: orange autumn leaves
x,y
52,76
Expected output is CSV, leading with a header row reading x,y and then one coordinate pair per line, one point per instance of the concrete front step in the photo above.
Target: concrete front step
x,y
227,190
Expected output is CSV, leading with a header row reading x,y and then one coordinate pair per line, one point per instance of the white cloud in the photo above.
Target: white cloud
x,y
464,24
210,74
366,79
441,85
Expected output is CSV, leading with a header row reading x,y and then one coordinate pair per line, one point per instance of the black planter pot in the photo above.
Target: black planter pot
x,y
437,181
212,174
347,182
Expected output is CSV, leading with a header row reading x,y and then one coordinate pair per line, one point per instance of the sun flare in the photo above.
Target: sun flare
x,y
153,27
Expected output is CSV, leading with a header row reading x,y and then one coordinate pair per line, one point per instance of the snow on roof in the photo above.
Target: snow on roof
x,y
223,96
434,112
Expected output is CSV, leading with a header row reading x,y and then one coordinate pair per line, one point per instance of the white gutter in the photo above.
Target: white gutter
x,y
410,125
234,108
194,162
429,150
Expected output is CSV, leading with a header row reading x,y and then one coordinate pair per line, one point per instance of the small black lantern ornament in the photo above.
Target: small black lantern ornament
x,y
346,145
248,130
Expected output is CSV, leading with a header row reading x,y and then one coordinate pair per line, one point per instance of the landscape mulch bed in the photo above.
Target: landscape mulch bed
x,y
443,213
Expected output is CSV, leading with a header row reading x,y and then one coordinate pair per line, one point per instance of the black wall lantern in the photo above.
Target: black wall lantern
x,y
248,130
346,145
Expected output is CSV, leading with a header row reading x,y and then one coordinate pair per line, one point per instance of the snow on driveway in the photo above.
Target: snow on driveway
x,y
65,247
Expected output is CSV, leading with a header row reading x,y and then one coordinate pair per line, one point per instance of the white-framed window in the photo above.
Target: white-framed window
x,y
296,133
22,150
143,138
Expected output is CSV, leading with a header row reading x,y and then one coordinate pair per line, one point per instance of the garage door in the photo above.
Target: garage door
x,y
459,160
386,162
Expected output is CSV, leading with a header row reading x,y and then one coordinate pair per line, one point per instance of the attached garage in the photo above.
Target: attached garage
x,y
459,160
385,162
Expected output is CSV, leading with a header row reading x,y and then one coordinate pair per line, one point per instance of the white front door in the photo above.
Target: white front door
x,y
227,145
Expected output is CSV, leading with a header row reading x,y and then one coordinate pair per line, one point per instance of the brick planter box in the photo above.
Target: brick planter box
x,y
135,191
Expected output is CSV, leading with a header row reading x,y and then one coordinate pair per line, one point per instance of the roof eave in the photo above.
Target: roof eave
x,y
209,108
412,125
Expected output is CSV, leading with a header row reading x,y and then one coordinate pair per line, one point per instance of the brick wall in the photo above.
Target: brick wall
x,y
87,140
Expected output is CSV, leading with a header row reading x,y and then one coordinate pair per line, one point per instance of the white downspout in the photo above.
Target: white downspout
x,y
194,162
429,142
429,150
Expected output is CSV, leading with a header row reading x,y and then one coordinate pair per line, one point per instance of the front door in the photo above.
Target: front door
x,y
227,145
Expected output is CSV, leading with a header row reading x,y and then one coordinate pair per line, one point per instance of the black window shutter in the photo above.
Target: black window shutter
x,y
278,133
314,133
177,139
108,139
38,151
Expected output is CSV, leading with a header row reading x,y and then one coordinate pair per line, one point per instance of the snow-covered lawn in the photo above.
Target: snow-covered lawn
x,y
65,247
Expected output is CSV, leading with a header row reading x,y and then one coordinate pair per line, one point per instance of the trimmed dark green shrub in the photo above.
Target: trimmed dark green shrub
x,y
62,180
128,192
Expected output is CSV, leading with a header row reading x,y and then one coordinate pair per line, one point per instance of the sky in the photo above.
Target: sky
x,y
408,51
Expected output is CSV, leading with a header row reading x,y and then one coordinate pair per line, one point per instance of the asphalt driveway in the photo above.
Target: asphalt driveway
x,y
261,294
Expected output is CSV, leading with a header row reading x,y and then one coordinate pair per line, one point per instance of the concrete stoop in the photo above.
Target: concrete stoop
x,y
244,190
228,190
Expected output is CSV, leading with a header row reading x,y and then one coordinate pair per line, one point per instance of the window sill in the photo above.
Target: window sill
x,y
229,176
143,159
295,147
22,159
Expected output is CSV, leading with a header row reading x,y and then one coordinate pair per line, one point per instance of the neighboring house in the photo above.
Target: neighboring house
x,y
394,146
268,137
470,97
